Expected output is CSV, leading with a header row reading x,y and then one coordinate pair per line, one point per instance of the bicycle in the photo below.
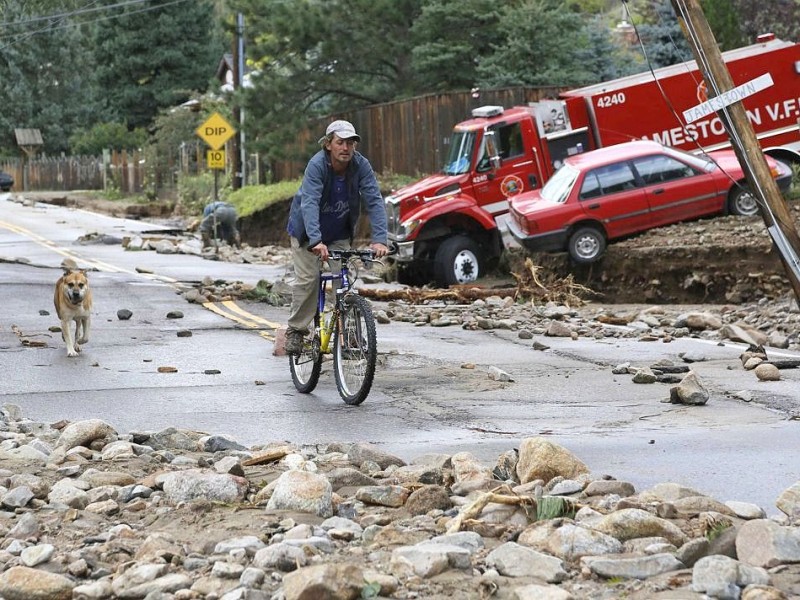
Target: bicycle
x,y
350,326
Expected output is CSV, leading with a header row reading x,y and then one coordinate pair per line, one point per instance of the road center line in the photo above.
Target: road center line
x,y
233,313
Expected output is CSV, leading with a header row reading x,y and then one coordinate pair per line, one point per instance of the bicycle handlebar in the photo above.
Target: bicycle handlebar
x,y
366,255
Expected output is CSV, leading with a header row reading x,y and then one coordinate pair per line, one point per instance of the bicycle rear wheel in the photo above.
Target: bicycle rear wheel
x,y
355,349
306,366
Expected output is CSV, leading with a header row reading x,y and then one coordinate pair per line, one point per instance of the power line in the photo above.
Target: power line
x,y
667,100
65,25
732,131
73,13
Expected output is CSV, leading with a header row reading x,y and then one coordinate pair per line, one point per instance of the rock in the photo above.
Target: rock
x,y
721,576
789,501
383,495
644,375
512,560
558,329
84,433
427,498
324,582
689,391
360,453
767,372
698,321
24,583
639,567
741,332
540,458
302,491
428,559
123,314
630,523
196,484
497,374
763,543
178,514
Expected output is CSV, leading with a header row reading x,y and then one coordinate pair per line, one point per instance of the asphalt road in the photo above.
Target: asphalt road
x,y
425,399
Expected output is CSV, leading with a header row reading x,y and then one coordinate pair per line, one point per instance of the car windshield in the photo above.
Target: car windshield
x,y
558,187
462,145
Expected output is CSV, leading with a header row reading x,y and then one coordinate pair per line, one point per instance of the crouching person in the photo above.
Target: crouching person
x,y
219,222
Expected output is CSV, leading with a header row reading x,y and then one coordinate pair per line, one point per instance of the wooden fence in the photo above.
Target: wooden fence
x,y
120,171
407,137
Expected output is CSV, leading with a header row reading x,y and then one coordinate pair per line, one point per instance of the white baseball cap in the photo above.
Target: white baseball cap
x,y
344,129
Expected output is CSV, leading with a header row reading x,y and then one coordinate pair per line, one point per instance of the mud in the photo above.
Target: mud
x,y
722,260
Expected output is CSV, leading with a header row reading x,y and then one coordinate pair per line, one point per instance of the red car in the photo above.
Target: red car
x,y
621,190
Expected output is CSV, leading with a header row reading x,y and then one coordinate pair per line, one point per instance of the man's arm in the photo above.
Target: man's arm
x,y
311,198
371,196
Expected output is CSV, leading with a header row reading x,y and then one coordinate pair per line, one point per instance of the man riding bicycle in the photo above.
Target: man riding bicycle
x,y
324,214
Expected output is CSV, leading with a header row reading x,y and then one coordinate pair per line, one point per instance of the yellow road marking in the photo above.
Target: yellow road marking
x,y
246,319
234,313
239,310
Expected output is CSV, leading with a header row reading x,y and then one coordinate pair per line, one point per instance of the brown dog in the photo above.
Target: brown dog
x,y
73,300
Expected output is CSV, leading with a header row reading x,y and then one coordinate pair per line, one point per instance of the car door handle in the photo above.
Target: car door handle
x,y
658,191
593,206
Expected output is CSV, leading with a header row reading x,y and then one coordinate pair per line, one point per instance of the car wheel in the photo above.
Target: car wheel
x,y
742,202
586,244
457,261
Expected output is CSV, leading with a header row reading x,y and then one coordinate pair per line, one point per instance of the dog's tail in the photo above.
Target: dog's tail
x,y
69,264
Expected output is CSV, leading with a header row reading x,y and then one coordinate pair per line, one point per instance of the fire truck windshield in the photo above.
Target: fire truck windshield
x,y
462,145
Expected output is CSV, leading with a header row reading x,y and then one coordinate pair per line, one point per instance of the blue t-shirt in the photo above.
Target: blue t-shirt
x,y
334,212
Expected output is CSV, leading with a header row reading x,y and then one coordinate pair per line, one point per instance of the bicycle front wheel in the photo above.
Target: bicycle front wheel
x,y
307,365
355,349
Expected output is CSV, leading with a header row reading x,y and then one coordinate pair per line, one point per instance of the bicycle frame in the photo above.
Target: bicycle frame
x,y
351,321
326,329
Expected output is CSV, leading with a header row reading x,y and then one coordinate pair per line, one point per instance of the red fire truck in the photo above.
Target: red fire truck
x,y
445,226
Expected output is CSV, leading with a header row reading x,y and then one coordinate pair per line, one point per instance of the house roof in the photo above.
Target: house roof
x,y
225,65
28,137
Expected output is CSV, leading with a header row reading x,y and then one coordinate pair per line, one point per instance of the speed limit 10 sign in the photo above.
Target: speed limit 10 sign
x,y
215,159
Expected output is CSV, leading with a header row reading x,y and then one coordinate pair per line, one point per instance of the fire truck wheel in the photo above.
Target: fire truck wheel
x,y
457,261
586,244
742,202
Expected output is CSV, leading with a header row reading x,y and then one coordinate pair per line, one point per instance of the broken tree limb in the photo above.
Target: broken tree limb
x,y
529,286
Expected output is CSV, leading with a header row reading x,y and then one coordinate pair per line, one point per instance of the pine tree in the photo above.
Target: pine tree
x,y
154,57
46,74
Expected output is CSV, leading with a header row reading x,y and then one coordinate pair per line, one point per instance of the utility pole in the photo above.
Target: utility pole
x,y
237,152
774,211
239,84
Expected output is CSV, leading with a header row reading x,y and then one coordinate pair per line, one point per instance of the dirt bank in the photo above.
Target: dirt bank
x,y
719,260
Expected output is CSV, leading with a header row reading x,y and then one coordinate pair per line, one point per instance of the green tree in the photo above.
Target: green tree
x,y
450,38
661,35
723,18
308,61
106,136
606,56
538,44
46,74
781,17
152,57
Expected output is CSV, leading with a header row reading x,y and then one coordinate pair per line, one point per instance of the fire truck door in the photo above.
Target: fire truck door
x,y
516,173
